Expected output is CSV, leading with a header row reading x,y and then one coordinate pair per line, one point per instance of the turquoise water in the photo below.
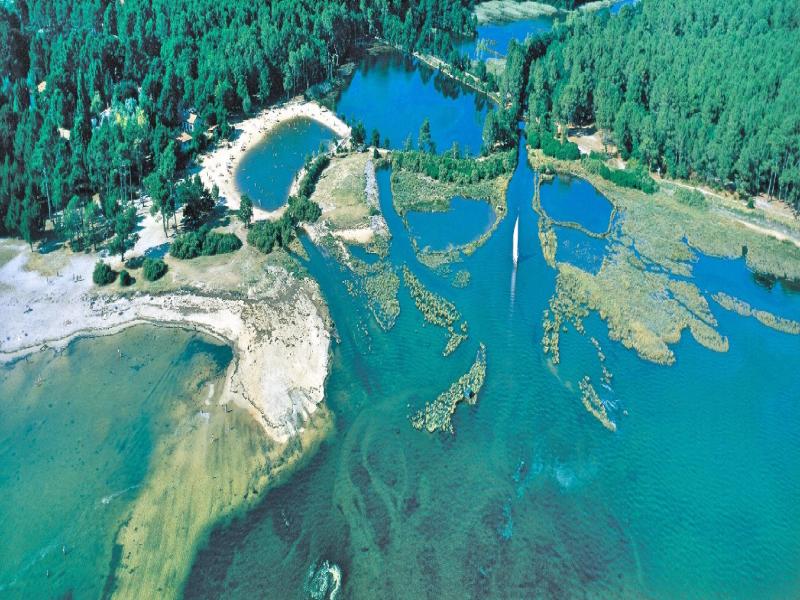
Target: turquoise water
x,y
267,170
765,293
569,199
77,433
695,495
463,222
394,95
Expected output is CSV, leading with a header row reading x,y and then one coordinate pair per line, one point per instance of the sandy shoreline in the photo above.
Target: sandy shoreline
x,y
276,323
219,166
278,328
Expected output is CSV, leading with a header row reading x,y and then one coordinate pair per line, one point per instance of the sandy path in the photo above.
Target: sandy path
x,y
780,235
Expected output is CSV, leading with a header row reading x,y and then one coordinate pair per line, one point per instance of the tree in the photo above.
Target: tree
x,y
358,134
490,131
376,139
198,203
124,226
424,141
245,212
72,224
156,188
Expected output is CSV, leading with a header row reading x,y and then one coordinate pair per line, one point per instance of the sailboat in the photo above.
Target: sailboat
x,y
515,250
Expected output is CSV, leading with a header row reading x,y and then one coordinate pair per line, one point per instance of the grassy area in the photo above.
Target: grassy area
x,y
416,192
669,228
765,318
645,310
341,194
436,311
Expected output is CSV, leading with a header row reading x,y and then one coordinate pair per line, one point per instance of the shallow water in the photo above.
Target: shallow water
x,y
569,199
695,495
464,221
579,249
394,95
268,168
77,433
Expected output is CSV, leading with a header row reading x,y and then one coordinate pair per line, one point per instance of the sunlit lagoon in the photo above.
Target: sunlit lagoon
x,y
572,200
267,170
79,432
694,495
464,221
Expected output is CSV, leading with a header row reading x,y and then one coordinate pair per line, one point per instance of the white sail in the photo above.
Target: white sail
x,y
515,250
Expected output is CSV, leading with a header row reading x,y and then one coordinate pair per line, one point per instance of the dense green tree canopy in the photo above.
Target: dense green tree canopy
x,y
93,91
702,88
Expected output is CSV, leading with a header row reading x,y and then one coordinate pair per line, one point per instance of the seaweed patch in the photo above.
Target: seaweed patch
x,y
437,415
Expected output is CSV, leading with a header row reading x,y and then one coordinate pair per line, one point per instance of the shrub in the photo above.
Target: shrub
x,y
153,268
552,147
220,243
301,209
203,243
314,169
634,176
265,235
691,198
446,167
186,245
125,278
103,274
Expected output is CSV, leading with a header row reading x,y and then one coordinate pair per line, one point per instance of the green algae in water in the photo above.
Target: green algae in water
x,y
531,498
592,402
78,432
461,279
436,310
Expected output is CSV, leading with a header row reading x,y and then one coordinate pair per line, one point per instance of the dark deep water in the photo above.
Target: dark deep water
x,y
394,95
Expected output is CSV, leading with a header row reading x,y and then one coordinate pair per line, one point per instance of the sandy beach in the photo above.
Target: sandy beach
x,y
276,322
277,327
219,165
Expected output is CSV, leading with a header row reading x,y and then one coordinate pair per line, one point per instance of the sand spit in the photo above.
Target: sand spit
x,y
277,325
219,165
